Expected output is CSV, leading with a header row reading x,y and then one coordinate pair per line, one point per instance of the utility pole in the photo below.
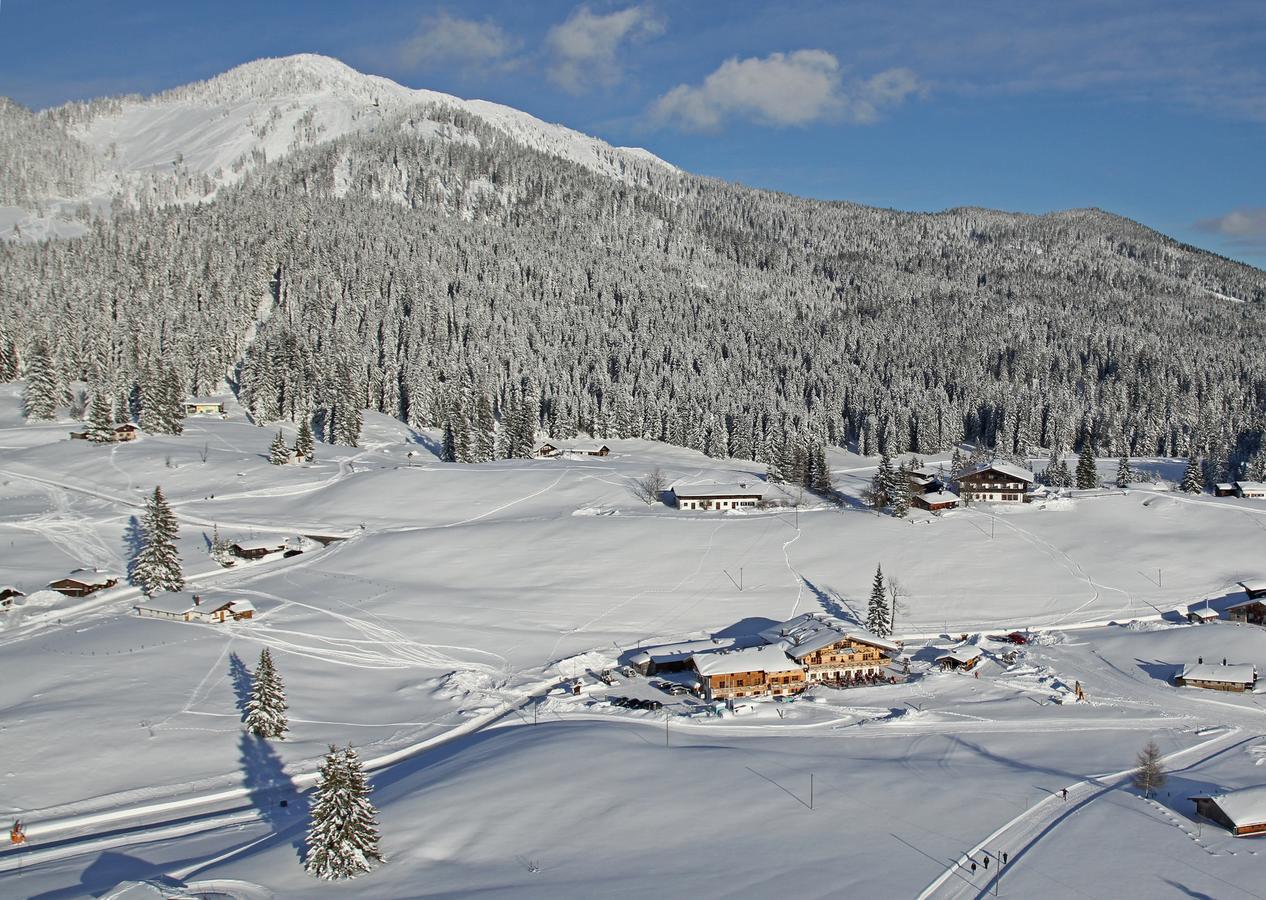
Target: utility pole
x,y
810,790
667,716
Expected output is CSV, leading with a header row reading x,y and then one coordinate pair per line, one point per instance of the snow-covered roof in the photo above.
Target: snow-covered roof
x,y
1236,674
999,465
1252,601
1225,486
1253,585
260,544
752,659
203,401
924,472
683,650
582,447
10,589
809,632
703,491
963,654
940,497
174,602
1203,613
90,576
1255,487
241,606
1247,806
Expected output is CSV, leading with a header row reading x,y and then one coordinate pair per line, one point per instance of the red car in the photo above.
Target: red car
x,y
1016,638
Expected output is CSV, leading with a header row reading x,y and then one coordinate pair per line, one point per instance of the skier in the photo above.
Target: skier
x,y
1065,793
973,867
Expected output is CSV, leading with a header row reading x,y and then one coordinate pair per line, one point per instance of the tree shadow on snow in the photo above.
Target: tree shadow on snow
x,y
106,872
1186,891
241,677
270,789
133,542
744,627
832,602
1161,671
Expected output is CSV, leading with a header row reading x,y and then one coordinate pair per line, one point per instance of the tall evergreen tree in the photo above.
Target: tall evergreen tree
x,y
1125,472
820,472
448,446
1087,474
43,392
901,492
157,566
100,418
877,614
343,835
1192,480
266,708
884,482
305,443
279,451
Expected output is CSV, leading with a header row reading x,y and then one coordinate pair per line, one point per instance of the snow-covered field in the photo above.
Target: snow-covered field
x,y
453,597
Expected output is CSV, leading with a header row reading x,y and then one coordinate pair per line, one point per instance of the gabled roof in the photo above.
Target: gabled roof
x,y
1247,806
1203,613
940,497
810,632
584,447
1252,601
90,577
260,544
1234,674
10,589
963,654
752,659
1253,585
1255,486
999,465
925,472
751,488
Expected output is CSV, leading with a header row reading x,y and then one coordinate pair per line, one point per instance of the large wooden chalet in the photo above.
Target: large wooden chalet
x,y
752,672
995,481
1243,812
831,650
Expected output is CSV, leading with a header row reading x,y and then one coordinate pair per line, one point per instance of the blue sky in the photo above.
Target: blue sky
x,y
1155,110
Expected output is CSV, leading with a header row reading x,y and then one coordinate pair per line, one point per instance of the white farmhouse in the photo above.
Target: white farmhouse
x,y
743,495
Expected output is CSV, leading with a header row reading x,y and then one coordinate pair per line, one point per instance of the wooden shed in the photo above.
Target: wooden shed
x,y
257,549
963,658
82,582
934,501
1248,612
1242,812
1202,615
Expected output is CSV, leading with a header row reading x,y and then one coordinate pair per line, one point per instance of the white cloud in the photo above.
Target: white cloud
x,y
783,89
443,39
585,49
1243,227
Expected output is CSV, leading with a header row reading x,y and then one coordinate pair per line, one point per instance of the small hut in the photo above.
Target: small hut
x,y
1243,812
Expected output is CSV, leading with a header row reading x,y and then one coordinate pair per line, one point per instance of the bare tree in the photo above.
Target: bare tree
x,y
896,602
1149,775
650,487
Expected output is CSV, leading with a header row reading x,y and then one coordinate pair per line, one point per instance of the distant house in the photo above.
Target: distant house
x,y
1255,588
1224,489
125,433
964,658
203,406
82,582
1248,612
923,480
185,606
995,481
1251,490
743,495
1243,812
1202,615
257,549
753,672
934,501
547,450
830,649
8,593
1218,678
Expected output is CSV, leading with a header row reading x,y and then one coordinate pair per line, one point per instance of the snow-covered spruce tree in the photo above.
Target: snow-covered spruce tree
x,y
901,492
100,418
1087,475
221,550
483,430
343,836
160,404
279,451
1192,480
1149,773
266,708
43,392
1125,472
8,358
157,566
305,443
773,470
448,446
1056,474
877,621
819,472
884,481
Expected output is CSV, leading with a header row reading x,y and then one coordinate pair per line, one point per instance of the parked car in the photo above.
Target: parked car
x,y
677,690
652,705
1016,637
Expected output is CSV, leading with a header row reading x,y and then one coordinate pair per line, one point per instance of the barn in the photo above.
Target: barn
x,y
82,582
1237,678
1243,812
935,501
1248,612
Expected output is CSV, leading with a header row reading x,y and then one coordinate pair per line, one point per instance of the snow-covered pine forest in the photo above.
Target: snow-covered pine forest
x,y
445,269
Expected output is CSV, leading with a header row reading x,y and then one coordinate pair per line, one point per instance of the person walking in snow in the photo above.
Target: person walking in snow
x,y
1065,793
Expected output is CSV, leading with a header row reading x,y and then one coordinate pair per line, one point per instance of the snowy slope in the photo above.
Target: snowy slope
x,y
186,143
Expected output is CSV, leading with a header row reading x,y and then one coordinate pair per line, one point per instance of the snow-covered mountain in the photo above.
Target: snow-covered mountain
x,y
184,144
